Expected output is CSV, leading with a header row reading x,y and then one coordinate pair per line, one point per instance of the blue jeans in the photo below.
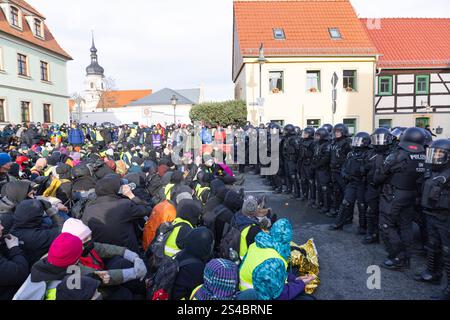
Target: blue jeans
x,y
47,221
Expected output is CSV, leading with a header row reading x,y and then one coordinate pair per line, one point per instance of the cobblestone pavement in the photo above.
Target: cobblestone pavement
x,y
343,259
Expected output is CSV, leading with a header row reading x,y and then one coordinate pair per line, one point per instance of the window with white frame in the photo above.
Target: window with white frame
x,y
2,110
47,113
350,80
25,111
313,81
38,28
2,68
14,16
276,81
44,71
22,64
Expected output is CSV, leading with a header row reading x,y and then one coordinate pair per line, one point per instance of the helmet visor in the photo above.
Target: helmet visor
x,y
437,156
357,142
379,139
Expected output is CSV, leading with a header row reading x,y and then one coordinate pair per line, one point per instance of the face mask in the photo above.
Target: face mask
x,y
87,248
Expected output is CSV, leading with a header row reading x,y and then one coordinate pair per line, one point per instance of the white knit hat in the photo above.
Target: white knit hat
x,y
77,228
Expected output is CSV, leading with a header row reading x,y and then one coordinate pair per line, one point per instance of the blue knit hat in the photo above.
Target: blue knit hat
x,y
4,159
269,278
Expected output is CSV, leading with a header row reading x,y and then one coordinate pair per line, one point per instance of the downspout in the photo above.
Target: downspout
x,y
376,72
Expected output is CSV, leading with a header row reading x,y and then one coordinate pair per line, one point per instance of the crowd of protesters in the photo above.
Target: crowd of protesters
x,y
91,212
112,202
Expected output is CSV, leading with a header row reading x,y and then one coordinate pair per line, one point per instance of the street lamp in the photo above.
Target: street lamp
x,y
261,60
174,101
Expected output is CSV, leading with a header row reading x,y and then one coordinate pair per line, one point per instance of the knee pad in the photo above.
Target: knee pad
x,y
324,188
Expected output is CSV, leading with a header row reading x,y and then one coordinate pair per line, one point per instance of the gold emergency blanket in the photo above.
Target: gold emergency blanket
x,y
306,264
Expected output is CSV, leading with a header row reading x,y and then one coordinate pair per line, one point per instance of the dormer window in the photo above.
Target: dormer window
x,y
335,33
278,34
38,28
15,17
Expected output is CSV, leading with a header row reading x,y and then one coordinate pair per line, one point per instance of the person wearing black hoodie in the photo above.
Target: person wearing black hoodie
x,y
83,180
12,194
198,246
213,201
28,227
13,264
64,192
114,218
139,180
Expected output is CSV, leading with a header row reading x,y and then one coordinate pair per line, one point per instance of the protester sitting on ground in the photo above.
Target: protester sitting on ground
x,y
88,289
113,217
169,190
188,215
13,265
47,273
28,226
213,200
122,267
5,166
13,193
198,246
220,281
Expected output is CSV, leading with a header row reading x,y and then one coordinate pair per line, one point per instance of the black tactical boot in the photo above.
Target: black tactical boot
x,y
431,274
396,264
371,239
340,220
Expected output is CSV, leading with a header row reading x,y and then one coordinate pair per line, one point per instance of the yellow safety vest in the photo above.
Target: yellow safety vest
x,y
194,292
255,257
168,191
50,294
199,191
48,171
243,247
98,136
53,188
133,133
171,247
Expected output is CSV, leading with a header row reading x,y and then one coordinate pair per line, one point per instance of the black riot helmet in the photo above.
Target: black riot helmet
x,y
274,128
398,132
342,128
328,127
322,134
439,153
298,131
289,130
414,135
428,138
361,140
382,137
309,133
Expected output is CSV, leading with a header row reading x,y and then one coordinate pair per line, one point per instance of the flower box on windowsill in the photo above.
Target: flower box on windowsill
x,y
350,89
313,90
275,90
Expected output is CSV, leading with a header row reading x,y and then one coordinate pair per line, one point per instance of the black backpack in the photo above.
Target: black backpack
x,y
230,244
164,279
155,252
79,206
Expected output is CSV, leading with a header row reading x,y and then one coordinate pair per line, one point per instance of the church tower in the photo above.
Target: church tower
x,y
94,81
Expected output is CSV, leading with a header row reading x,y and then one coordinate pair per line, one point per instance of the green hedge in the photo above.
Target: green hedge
x,y
226,113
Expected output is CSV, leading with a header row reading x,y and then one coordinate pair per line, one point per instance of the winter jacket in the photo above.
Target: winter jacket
x,y
14,270
76,136
162,212
13,193
198,246
112,218
27,226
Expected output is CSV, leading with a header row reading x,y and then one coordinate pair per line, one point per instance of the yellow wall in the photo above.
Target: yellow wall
x,y
296,105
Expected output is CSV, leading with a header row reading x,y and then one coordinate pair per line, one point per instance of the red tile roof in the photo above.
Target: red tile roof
x,y
408,43
49,43
119,99
306,25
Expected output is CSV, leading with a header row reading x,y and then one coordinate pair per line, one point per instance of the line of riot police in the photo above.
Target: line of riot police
x,y
392,178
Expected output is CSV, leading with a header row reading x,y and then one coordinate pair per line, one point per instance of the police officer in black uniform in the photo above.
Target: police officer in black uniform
x,y
321,165
307,175
353,173
402,171
340,148
382,141
291,149
436,206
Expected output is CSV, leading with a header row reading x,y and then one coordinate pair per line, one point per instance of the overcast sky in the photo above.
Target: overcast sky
x,y
179,44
